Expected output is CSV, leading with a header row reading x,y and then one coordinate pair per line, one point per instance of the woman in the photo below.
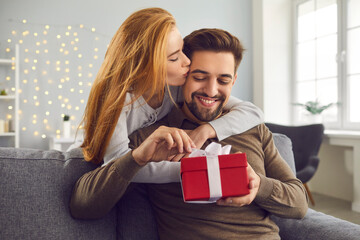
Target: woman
x,y
132,91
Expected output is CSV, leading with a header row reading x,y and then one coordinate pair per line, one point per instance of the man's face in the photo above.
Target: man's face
x,y
209,83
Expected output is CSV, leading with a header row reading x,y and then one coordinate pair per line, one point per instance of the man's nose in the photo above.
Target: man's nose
x,y
211,87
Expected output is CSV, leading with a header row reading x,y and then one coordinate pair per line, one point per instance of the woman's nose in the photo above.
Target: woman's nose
x,y
186,60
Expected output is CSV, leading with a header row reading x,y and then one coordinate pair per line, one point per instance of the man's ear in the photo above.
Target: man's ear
x,y
235,77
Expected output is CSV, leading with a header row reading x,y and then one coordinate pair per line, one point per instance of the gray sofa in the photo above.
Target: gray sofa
x,y
35,189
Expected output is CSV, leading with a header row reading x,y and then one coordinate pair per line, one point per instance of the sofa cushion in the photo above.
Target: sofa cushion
x,y
35,188
317,225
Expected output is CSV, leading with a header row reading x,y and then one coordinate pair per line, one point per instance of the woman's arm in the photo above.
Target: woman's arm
x,y
241,117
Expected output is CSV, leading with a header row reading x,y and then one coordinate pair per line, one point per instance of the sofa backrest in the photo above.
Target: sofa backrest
x,y
35,188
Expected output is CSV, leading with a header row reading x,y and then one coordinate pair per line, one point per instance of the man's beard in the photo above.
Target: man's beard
x,y
204,115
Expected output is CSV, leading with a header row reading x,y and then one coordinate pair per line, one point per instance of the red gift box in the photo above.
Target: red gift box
x,y
233,175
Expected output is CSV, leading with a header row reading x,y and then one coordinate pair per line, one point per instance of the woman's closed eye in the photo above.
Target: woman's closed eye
x,y
174,59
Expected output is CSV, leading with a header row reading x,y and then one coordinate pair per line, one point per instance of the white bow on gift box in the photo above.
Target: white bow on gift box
x,y
211,152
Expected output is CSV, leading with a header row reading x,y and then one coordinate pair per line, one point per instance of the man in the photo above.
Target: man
x,y
215,56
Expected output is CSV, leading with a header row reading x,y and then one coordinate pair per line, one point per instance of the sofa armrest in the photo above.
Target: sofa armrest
x,y
316,225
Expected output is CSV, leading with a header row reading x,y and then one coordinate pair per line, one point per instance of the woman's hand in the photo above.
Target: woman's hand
x,y
199,136
254,184
163,144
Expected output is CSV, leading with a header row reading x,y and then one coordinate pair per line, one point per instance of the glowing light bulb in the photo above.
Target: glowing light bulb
x,y
24,21
47,27
24,129
93,29
43,136
36,133
47,113
35,34
58,36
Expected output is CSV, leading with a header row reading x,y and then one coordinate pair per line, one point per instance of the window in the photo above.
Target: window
x,y
327,57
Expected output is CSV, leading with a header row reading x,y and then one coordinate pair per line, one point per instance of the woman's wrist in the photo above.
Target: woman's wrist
x,y
208,131
138,157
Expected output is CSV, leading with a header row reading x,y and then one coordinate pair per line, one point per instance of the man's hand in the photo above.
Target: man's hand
x,y
199,136
254,184
163,144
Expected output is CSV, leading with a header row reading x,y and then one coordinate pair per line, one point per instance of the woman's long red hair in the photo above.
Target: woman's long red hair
x,y
134,62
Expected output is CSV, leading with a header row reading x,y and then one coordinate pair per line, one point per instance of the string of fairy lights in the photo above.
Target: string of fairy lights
x,y
58,64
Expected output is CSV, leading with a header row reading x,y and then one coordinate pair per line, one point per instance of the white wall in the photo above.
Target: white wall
x,y
105,16
334,176
272,62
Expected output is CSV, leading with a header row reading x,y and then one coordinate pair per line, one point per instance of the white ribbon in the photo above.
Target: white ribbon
x,y
211,152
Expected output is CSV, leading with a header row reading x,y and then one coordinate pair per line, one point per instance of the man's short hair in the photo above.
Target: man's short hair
x,y
212,39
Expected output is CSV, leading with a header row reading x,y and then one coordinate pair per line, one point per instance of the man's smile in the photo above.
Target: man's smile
x,y
207,102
